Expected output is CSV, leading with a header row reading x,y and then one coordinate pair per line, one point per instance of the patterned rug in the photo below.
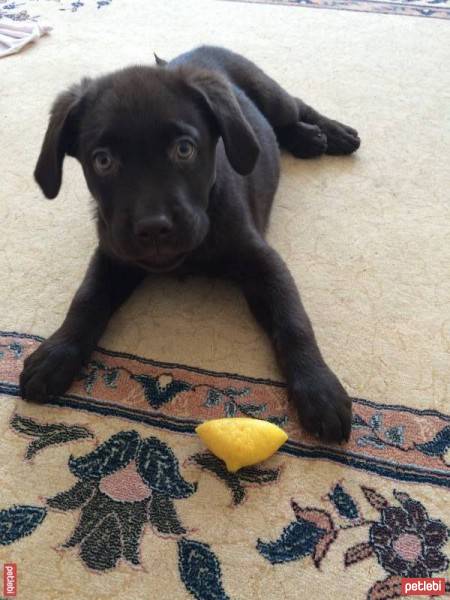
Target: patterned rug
x,y
436,9
107,492
134,484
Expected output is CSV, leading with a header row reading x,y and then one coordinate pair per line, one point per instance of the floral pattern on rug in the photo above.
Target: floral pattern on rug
x,y
405,540
15,10
129,485
237,482
436,9
47,435
123,485
393,441
19,521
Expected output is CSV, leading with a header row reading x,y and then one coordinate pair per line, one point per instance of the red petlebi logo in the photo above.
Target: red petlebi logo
x,y
423,586
10,580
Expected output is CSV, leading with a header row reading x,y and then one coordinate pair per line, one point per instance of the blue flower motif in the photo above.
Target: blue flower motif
x,y
298,539
309,535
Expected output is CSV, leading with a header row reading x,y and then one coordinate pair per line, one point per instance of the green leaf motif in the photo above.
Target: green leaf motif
x,y
281,421
258,475
47,435
358,422
344,503
438,446
357,553
117,452
19,521
208,461
200,570
374,498
32,428
252,410
251,475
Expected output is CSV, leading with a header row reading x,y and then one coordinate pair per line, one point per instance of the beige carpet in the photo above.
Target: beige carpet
x,y
368,241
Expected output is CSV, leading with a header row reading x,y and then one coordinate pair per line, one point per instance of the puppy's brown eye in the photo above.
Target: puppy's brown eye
x,y
103,161
184,150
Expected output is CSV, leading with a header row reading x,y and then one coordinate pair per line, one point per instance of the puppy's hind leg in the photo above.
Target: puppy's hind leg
x,y
303,140
341,139
313,134
299,128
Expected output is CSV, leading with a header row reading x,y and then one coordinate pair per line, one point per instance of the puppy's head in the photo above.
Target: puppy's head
x,y
146,139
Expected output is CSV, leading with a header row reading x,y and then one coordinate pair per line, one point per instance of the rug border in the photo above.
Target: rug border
x,y
428,412
442,13
396,471
409,473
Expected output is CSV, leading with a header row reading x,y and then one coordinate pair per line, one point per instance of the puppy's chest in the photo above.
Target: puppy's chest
x,y
209,259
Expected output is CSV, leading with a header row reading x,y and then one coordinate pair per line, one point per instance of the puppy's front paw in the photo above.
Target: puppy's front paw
x,y
50,370
341,139
324,407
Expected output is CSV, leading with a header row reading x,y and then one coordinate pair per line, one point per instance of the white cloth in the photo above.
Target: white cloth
x,y
15,35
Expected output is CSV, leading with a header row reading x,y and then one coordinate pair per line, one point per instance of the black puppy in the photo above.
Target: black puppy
x,y
182,160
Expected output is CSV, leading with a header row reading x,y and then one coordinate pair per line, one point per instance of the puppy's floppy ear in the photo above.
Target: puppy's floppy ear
x,y
241,145
60,138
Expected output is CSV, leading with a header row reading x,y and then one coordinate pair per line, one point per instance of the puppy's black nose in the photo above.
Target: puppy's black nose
x,y
153,228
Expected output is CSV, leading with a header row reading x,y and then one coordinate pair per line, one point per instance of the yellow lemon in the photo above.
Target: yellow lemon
x,y
240,441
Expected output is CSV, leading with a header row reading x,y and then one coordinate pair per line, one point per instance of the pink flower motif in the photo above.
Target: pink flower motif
x,y
406,541
125,485
408,546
